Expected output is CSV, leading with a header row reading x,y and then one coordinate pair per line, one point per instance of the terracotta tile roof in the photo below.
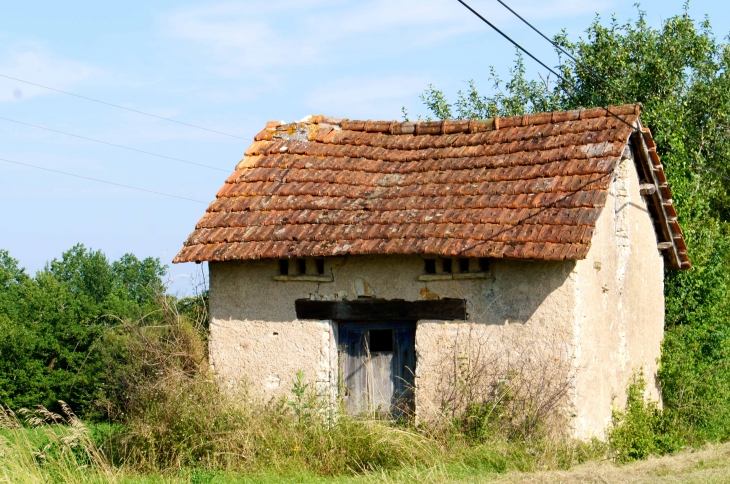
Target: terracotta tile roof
x,y
528,186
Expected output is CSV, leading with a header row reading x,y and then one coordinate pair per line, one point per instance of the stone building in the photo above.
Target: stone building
x,y
383,258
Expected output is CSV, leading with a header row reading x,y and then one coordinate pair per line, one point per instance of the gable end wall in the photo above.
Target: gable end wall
x,y
619,315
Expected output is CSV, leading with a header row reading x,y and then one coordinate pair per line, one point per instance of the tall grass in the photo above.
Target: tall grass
x,y
196,426
40,447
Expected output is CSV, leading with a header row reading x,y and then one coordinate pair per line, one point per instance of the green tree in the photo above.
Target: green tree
x,y
680,73
54,324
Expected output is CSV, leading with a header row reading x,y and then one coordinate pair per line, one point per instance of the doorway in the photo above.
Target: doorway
x,y
378,362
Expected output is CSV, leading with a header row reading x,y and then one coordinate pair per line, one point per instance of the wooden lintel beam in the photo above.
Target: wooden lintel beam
x,y
381,310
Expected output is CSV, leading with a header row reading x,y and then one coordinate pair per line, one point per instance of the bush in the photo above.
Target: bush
x,y
642,428
52,324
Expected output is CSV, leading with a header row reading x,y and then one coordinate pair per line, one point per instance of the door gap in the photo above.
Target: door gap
x,y
381,340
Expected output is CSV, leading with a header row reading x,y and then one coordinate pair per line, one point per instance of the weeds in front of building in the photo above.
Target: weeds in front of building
x,y
506,382
171,418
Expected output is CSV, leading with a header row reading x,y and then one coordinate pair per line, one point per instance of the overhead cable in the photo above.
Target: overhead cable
x,y
102,181
494,27
125,108
540,33
597,76
562,78
114,144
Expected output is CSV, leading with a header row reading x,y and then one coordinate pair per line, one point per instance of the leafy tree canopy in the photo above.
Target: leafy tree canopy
x,y
53,324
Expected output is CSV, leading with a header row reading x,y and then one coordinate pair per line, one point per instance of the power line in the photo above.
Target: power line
x,y
540,33
562,78
113,144
102,181
509,38
596,76
122,107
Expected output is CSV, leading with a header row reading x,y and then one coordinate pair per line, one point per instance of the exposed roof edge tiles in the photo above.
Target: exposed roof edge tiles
x,y
528,186
462,126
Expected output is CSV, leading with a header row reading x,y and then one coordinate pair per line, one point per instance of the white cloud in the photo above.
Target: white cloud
x,y
256,35
36,64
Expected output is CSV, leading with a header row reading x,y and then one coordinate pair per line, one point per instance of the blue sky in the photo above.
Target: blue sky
x,y
228,66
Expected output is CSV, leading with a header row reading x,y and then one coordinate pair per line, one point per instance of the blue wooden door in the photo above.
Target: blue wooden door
x,y
377,363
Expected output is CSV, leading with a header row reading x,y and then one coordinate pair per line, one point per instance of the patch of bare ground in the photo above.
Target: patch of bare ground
x,y
708,465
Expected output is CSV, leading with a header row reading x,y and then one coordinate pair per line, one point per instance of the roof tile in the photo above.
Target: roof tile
x,y
527,186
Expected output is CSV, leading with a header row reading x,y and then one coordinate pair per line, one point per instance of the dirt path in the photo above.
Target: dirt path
x,y
708,465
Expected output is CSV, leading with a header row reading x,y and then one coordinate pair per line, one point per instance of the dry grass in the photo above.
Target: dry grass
x,y
710,465
41,446
59,449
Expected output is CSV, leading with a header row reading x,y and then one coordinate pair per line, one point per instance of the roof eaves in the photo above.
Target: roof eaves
x,y
670,239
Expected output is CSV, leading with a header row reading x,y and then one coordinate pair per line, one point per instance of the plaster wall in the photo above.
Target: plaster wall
x,y
523,318
255,336
619,315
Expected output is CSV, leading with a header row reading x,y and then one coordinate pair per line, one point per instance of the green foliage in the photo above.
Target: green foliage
x,y
53,323
302,403
10,272
516,96
639,430
680,72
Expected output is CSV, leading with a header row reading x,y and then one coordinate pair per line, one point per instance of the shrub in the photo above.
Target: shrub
x,y
52,324
642,428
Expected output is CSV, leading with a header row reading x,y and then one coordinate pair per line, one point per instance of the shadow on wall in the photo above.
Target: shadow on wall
x,y
520,291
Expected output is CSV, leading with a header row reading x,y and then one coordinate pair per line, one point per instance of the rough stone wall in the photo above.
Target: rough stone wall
x,y
619,315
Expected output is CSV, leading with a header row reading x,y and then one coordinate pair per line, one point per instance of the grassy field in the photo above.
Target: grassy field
x,y
708,465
